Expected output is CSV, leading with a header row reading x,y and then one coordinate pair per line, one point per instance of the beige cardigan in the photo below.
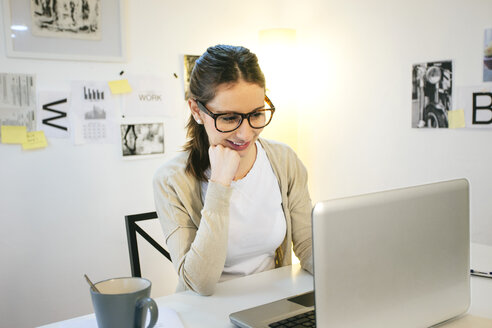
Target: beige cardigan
x,y
196,232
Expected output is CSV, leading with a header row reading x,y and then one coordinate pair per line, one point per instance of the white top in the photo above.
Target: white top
x,y
257,223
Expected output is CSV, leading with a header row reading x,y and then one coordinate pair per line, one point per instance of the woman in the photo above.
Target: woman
x,y
231,204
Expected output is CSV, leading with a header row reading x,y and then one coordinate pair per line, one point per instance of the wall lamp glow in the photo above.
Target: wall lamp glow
x,y
278,57
18,28
278,36
277,52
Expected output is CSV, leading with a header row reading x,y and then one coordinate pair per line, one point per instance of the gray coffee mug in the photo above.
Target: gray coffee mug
x,y
123,303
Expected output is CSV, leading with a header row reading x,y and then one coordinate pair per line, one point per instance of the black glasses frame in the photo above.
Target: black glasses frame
x,y
243,116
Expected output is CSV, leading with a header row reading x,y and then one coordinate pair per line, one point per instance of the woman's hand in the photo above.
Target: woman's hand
x,y
224,163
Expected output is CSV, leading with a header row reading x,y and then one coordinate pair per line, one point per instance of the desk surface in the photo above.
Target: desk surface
x,y
242,293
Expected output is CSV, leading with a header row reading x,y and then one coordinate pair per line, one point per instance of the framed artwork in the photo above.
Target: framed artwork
x,y
189,63
91,30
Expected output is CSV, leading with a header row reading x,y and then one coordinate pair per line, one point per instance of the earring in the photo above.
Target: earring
x,y
199,121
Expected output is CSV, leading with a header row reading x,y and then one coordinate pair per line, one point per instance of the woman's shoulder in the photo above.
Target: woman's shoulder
x,y
277,149
283,158
173,168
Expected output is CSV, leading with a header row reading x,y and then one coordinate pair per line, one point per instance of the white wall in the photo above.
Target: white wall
x,y
62,208
357,126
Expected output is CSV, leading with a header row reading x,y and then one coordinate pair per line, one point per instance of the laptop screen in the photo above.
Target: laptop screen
x,y
397,258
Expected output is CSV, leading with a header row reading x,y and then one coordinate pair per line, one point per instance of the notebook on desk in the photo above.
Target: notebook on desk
x,y
397,258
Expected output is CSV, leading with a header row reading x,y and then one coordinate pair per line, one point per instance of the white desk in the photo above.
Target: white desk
x,y
241,293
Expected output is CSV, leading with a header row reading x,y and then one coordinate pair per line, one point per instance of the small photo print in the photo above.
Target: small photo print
x,y
431,94
77,19
487,55
189,63
142,139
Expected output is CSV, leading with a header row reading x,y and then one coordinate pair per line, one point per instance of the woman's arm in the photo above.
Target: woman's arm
x,y
198,247
198,254
300,208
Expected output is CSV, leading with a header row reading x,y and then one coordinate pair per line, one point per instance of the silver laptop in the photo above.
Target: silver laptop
x,y
397,258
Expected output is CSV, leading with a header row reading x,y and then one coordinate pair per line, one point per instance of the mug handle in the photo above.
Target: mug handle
x,y
142,305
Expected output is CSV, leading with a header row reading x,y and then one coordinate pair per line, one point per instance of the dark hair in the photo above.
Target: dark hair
x,y
218,65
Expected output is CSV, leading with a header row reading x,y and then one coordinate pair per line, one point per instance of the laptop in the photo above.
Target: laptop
x,y
397,258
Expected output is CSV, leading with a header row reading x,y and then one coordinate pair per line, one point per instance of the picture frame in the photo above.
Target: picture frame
x,y
22,43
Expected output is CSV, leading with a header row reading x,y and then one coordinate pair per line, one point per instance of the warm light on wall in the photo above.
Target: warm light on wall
x,y
278,36
278,60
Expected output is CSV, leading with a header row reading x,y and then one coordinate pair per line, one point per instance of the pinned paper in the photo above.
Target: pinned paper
x,y
18,100
119,86
53,114
148,98
92,113
13,134
456,118
35,140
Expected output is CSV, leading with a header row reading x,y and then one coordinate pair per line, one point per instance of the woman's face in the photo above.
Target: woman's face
x,y
240,97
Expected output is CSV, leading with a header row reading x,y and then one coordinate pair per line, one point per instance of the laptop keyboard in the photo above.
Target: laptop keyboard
x,y
306,319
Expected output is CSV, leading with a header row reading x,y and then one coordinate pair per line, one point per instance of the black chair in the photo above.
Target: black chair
x,y
132,228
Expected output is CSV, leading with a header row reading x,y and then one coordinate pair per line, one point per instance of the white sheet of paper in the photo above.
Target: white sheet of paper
x,y
168,318
147,99
93,114
18,100
483,104
52,113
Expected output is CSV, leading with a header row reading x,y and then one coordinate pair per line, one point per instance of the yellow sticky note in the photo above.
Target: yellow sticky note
x,y
35,140
13,134
456,118
119,86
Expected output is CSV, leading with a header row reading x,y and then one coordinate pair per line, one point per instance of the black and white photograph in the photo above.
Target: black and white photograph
x,y
78,19
431,94
189,63
142,139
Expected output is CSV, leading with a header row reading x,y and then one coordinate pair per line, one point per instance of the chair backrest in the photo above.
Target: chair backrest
x,y
132,228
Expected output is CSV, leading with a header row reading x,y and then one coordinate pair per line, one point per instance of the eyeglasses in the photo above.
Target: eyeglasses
x,y
228,122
